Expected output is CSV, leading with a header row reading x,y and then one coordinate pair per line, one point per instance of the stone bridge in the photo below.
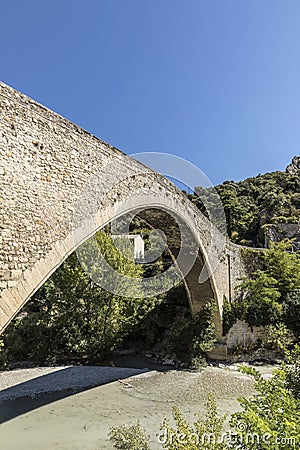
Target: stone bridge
x,y
45,163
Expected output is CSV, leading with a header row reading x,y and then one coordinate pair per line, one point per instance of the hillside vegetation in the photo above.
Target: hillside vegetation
x,y
252,203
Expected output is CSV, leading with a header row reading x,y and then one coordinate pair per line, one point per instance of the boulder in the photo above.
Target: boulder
x,y
294,167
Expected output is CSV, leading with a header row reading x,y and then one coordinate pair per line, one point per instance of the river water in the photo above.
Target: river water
x,y
81,421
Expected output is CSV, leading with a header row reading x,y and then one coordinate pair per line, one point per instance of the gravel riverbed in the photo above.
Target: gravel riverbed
x,y
42,380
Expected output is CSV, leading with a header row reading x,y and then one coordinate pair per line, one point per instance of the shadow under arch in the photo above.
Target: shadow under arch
x,y
60,383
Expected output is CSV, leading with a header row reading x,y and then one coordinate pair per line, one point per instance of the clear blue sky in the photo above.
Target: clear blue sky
x,y
214,81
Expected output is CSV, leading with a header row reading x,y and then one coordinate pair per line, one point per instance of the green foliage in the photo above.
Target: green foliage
x,y
170,307
284,266
229,315
278,338
271,418
178,338
231,312
260,304
291,312
191,337
3,355
251,203
292,371
72,317
272,294
204,329
205,432
129,437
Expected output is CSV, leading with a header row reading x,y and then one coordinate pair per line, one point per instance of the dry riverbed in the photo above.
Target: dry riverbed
x,y
39,408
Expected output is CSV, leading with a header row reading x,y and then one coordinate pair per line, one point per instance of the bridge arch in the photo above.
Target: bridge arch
x,y
15,297
46,162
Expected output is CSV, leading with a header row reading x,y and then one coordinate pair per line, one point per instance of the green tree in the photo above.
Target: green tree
x,y
278,338
71,316
271,295
260,304
284,266
191,337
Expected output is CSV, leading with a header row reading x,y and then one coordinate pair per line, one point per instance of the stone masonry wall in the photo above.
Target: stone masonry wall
x,y
240,334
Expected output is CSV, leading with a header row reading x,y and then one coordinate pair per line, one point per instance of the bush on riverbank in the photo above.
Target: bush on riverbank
x,y
129,437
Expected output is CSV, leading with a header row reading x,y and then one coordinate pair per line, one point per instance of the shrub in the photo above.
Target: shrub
x,y
278,337
191,337
129,437
205,432
292,370
229,317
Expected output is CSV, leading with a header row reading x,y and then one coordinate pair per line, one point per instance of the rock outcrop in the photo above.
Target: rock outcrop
x,y
280,231
294,167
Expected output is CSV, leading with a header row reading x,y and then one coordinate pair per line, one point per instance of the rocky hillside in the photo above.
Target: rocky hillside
x,y
253,204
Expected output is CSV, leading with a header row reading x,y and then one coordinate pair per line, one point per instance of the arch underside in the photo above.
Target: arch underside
x,y
198,293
